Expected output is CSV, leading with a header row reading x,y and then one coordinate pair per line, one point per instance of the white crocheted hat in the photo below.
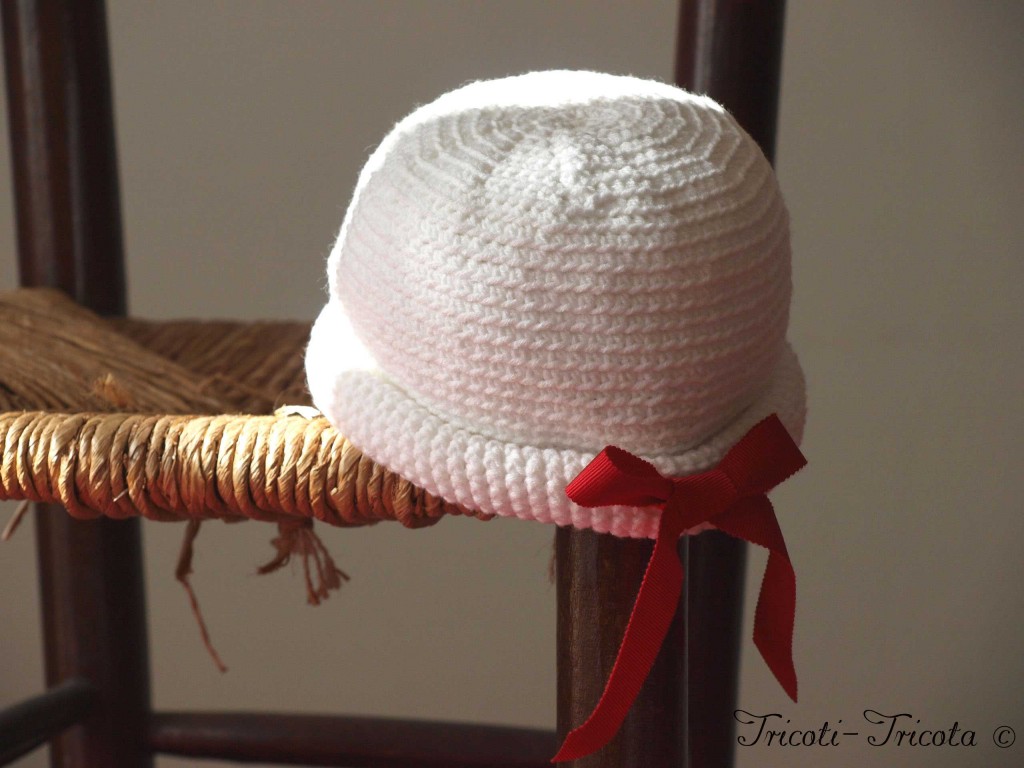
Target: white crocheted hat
x,y
534,267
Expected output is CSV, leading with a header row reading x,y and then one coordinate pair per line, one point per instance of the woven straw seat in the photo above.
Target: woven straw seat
x,y
176,421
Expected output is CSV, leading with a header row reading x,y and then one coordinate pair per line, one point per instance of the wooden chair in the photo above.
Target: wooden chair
x,y
69,237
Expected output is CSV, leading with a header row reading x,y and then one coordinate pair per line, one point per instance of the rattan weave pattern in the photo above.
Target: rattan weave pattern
x,y
169,421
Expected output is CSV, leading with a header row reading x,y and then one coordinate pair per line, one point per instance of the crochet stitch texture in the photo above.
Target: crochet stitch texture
x,y
534,267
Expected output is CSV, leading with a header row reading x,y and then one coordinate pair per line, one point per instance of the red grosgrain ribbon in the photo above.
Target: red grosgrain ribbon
x,y
731,497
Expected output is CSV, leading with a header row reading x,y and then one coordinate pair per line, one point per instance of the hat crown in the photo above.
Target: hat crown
x,y
569,260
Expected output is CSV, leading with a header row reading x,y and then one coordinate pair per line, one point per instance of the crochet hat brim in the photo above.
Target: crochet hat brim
x,y
492,476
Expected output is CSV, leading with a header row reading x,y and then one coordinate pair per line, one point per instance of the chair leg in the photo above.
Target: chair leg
x,y
598,577
94,625
69,237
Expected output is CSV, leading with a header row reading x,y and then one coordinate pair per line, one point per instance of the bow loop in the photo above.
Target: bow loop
x,y
617,477
745,463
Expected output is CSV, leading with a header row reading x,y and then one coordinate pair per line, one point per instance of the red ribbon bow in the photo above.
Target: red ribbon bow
x,y
731,497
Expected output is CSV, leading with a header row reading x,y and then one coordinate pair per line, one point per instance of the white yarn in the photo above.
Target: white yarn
x,y
535,267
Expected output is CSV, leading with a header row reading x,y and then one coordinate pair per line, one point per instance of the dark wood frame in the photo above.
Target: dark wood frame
x,y
69,236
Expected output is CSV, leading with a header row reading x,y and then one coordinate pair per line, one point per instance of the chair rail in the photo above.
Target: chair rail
x,y
355,742
33,722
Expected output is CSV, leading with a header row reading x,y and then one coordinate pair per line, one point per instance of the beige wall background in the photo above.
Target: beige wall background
x,y
242,126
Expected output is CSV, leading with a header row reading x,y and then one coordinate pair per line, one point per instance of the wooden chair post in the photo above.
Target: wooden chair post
x,y
69,237
732,51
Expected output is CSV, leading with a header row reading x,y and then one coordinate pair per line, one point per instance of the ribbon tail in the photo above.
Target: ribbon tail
x,y
753,519
773,621
648,624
